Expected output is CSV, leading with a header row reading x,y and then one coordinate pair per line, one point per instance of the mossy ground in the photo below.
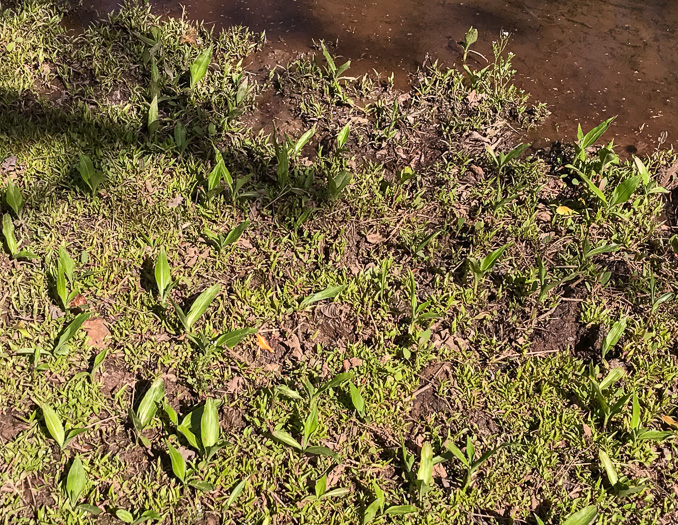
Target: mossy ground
x,y
438,352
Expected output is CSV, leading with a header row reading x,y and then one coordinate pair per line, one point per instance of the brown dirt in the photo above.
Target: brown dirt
x,y
426,401
10,425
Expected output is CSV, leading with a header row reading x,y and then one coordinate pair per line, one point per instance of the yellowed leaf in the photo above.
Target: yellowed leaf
x,y
263,344
564,210
670,421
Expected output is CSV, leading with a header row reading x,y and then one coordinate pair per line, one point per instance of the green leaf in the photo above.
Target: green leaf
x,y
592,136
204,486
609,468
69,333
458,454
303,140
231,339
335,381
53,424
515,152
236,232
201,304
490,260
371,511
425,472
357,399
321,451
635,414
8,233
339,182
14,199
342,137
124,515
62,292
153,116
72,434
592,187
623,192
180,137
209,424
654,435
328,293
605,248
66,263
584,516
99,359
178,462
236,492
288,392
471,36
613,336
162,273
171,413
199,67
336,493
321,486
146,516
149,404
400,510
310,424
92,509
283,436
76,481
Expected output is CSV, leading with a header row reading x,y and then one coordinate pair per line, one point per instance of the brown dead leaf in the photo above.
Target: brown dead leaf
x,y
670,421
175,202
263,344
587,430
189,38
96,332
78,300
354,362
374,238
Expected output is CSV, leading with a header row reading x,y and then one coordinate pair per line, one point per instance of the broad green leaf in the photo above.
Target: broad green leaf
x,y
8,233
76,481
605,248
635,413
623,192
592,136
328,293
613,336
53,424
201,304
400,510
162,273
339,182
214,178
66,263
310,424
124,516
14,198
335,381
146,516
642,170
457,453
490,260
171,413
92,509
515,152
69,332
180,137
357,398
178,463
425,472
592,187
371,511
321,486
288,392
199,67
62,292
655,435
584,516
303,140
330,61
342,138
321,451
236,492
609,468
149,404
209,424
153,116
231,339
99,359
336,493
471,36
236,232
204,486
283,436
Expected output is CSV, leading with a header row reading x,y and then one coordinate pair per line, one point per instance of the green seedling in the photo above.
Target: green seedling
x,y
328,293
311,425
148,407
198,307
422,245
98,362
657,300
337,183
61,347
479,268
585,516
476,77
311,391
90,176
469,459
357,400
153,120
424,479
607,410
321,492
200,428
220,241
342,137
420,314
545,286
286,151
180,140
64,277
621,486
639,433
127,517
501,160
76,483
11,242
406,174
376,508
621,194
56,428
15,199
586,141
199,67
163,277
614,335
470,38
335,73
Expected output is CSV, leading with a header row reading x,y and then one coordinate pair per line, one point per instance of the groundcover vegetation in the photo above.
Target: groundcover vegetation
x,y
240,293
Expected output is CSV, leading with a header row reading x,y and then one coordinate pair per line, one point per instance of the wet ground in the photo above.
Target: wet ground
x,y
588,59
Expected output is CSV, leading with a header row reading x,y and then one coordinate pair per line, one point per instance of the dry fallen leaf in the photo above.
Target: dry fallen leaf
x,y
263,344
96,332
670,421
78,300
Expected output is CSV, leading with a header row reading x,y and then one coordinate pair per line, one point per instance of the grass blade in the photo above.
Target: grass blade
x,y
328,293
69,332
